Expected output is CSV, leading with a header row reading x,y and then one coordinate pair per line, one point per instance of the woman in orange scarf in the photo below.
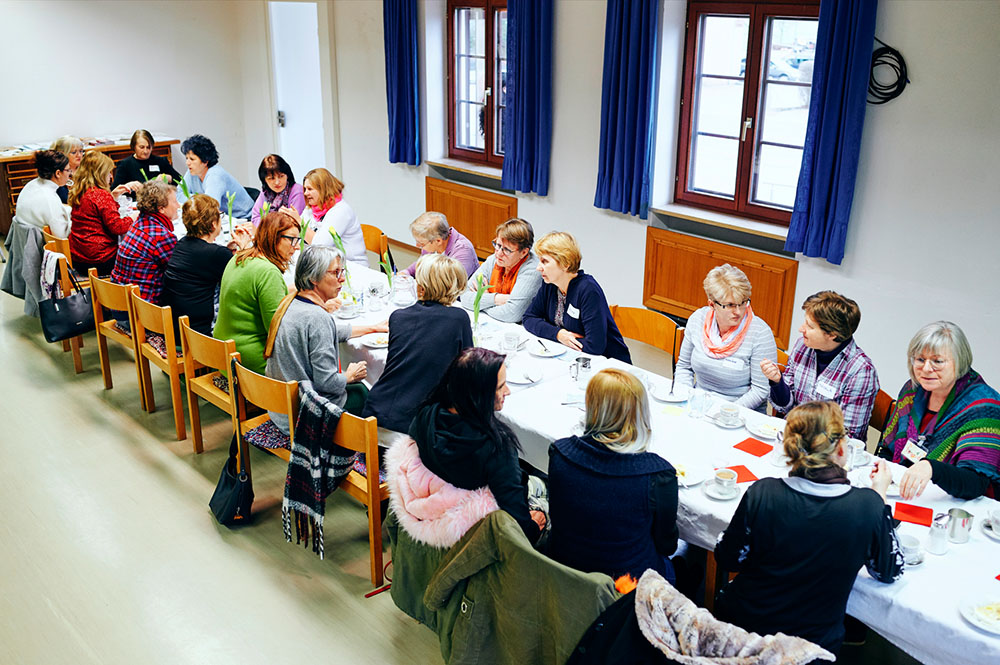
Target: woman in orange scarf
x,y
511,273
725,342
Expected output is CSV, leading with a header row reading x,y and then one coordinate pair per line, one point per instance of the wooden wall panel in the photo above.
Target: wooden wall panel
x,y
475,213
676,265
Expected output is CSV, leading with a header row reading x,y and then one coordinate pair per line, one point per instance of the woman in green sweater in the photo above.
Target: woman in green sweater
x,y
253,286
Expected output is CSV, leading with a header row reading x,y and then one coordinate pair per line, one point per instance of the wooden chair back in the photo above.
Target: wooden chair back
x,y
678,340
150,318
60,245
109,294
884,404
66,284
375,240
646,326
106,294
783,359
268,394
202,352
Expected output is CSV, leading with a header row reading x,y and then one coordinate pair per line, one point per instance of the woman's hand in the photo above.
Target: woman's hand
x,y
356,372
332,305
570,339
293,213
538,517
382,327
119,190
771,370
881,477
242,237
915,480
501,298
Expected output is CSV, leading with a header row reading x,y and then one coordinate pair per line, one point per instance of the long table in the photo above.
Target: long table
x,y
919,613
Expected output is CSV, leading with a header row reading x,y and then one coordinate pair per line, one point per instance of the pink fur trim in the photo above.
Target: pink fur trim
x,y
430,510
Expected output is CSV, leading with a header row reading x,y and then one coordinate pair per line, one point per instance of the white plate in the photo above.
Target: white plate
x,y
990,529
376,340
551,350
724,425
710,489
661,393
778,458
764,430
689,475
346,314
862,478
523,377
971,611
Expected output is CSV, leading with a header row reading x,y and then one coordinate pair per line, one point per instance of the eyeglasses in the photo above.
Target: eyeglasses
x,y
936,363
295,240
338,273
725,307
500,248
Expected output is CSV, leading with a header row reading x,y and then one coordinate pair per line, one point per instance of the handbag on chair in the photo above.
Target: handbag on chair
x,y
233,496
69,316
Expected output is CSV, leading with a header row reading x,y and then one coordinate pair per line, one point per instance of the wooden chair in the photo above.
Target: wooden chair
x,y
106,294
884,404
61,244
150,318
646,326
783,360
375,240
73,344
268,394
204,352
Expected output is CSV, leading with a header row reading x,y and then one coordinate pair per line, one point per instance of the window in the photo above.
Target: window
x,y
477,79
743,123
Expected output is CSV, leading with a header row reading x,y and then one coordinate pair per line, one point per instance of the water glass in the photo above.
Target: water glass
x,y
377,295
697,403
511,340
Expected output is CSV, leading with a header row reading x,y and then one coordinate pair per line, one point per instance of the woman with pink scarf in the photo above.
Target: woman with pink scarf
x,y
724,342
327,212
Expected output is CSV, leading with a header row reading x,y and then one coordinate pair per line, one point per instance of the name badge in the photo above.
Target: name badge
x,y
734,363
826,390
913,452
153,168
572,312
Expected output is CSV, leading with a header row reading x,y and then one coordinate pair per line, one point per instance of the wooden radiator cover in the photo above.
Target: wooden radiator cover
x,y
475,213
676,265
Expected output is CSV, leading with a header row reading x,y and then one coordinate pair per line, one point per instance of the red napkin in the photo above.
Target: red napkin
x,y
754,447
743,474
906,512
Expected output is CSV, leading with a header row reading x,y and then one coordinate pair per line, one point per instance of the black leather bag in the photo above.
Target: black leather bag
x,y
233,497
69,316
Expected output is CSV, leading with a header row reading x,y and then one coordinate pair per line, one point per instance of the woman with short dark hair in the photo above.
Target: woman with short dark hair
x,y
827,364
206,176
142,164
278,188
38,204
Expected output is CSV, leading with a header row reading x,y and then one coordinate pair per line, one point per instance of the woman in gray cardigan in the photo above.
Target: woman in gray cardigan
x,y
511,272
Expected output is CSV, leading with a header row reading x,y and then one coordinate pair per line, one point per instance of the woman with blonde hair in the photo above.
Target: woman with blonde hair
x,y
423,340
96,224
725,342
72,147
612,504
327,212
570,307
253,285
799,542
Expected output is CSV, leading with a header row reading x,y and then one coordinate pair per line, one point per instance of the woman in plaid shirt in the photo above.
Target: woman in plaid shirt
x,y
827,364
149,242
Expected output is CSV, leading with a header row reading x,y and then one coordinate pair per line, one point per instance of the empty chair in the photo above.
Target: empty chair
x,y
648,327
106,294
884,403
375,240
203,352
153,331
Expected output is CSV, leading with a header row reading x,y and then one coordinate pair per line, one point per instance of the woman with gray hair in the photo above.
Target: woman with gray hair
x,y
946,423
303,343
146,248
725,343
72,147
433,235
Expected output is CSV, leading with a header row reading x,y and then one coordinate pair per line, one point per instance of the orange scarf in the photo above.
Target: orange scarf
x,y
722,346
502,280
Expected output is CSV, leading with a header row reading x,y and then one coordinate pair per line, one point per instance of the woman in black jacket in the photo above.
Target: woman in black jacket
x,y
613,505
461,440
798,542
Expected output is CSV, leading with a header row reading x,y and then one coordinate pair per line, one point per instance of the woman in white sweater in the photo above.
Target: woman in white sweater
x,y
38,203
327,210
724,342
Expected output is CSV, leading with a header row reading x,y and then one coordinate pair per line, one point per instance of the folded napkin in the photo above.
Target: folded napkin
x,y
743,474
754,446
906,512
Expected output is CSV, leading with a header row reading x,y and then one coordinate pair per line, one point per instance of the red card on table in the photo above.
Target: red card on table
x,y
743,474
754,447
906,512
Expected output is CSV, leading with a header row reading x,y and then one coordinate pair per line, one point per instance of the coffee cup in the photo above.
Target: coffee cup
x,y
995,519
725,481
910,546
729,413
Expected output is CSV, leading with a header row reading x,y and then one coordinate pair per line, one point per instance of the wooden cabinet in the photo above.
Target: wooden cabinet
x,y
19,170
676,265
475,213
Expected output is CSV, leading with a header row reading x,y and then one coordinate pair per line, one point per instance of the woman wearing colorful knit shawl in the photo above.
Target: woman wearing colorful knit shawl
x,y
946,423
725,343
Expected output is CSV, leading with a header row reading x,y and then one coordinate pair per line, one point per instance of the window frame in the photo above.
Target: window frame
x,y
758,11
488,156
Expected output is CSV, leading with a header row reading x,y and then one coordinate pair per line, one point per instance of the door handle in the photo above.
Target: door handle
x,y
281,118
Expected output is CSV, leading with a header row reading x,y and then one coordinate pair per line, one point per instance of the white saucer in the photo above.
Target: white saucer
x,y
919,562
711,491
341,314
990,529
376,340
763,430
662,394
551,350
524,377
968,609
778,458
689,475
724,425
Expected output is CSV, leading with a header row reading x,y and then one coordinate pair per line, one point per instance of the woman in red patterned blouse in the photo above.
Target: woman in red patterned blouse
x,y
93,238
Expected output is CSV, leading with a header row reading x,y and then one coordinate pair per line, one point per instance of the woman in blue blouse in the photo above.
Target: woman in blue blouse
x,y
205,176
570,307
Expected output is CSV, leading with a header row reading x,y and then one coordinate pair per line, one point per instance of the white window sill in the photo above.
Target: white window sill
x,y
482,170
752,226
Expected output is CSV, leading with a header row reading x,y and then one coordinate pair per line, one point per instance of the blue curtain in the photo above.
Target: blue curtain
x,y
627,99
833,137
399,21
527,118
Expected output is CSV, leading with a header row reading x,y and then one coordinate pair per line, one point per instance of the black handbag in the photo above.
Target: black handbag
x,y
69,316
233,496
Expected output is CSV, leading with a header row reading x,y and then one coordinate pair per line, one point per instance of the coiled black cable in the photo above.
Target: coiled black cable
x,y
886,56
